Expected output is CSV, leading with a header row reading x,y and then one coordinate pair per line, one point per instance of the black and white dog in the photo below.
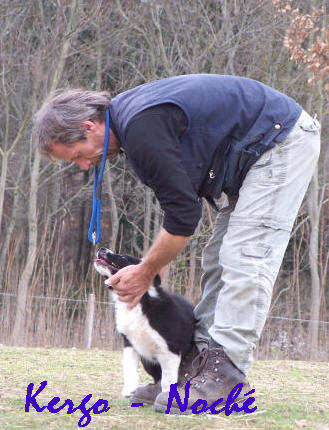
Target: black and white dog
x,y
159,329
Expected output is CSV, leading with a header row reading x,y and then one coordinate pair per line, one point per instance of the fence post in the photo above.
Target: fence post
x,y
89,320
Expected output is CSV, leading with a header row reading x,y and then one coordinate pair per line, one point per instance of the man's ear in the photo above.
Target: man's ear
x,y
89,126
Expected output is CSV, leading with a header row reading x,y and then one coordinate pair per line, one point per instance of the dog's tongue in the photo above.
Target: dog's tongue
x,y
101,260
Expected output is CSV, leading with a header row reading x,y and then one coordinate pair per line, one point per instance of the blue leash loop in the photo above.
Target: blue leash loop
x,y
94,232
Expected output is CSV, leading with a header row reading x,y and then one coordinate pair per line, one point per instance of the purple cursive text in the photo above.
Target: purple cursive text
x,y
98,407
200,406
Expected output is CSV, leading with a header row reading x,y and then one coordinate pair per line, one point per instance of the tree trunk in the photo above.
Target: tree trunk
x,y
314,213
314,208
18,334
4,167
12,223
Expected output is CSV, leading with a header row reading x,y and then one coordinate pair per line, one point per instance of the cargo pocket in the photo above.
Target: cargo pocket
x,y
253,257
258,251
255,260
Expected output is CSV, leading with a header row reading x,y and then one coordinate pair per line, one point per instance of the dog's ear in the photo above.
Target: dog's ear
x,y
157,281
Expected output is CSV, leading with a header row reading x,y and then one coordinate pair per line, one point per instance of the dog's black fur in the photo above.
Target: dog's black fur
x,y
170,315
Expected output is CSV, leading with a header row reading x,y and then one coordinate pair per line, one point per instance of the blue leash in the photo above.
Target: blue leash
x,y
94,232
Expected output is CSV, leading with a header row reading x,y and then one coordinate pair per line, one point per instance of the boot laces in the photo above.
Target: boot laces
x,y
208,362
186,364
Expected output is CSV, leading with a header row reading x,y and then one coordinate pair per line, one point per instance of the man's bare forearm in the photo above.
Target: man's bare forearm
x,y
131,282
165,248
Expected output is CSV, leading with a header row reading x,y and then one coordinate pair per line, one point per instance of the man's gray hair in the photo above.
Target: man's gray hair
x,y
61,116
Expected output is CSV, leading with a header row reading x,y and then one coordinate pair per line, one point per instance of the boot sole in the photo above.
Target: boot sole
x,y
176,411
145,402
173,411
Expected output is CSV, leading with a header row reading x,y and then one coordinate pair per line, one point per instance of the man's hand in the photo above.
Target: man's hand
x,y
131,283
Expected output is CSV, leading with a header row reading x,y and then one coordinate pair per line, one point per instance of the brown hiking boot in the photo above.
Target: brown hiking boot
x,y
214,377
147,394
185,368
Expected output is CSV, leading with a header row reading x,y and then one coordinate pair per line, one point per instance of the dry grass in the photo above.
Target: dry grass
x,y
289,394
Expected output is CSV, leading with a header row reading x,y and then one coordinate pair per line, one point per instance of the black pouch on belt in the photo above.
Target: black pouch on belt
x,y
211,186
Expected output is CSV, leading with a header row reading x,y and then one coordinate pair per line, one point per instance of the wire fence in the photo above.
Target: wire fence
x,y
109,303
61,322
88,323
59,298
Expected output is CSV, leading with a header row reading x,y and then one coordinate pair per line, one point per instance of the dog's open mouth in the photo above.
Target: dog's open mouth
x,y
107,263
110,265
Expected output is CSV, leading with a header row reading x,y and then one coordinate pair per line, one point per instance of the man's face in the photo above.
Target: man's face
x,y
87,153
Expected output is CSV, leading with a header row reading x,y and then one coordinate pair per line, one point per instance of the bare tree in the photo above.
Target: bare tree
x,y
116,45
306,29
18,330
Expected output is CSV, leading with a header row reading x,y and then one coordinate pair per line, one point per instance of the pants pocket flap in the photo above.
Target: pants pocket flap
x,y
256,251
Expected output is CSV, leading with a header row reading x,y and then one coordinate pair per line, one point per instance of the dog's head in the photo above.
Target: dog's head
x,y
107,263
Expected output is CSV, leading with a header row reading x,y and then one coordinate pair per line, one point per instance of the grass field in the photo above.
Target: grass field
x,y
289,394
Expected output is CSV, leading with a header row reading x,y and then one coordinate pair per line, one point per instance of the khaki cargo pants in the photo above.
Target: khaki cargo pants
x,y
242,258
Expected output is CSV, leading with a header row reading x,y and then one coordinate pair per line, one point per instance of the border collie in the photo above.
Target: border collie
x,y
159,329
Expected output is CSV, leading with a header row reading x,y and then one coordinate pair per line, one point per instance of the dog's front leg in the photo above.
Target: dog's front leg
x,y
169,363
130,361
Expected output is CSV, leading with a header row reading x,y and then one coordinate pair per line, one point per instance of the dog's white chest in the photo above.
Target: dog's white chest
x,y
135,325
